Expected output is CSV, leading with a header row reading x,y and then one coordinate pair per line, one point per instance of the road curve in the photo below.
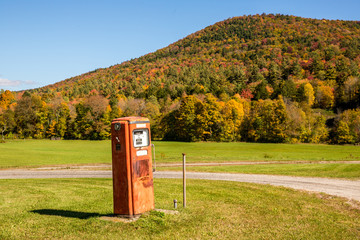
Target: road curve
x,y
343,188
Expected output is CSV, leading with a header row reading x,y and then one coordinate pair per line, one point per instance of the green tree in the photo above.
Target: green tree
x,y
274,73
261,91
83,124
7,122
287,89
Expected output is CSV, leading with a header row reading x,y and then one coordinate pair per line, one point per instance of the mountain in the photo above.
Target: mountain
x,y
312,65
229,56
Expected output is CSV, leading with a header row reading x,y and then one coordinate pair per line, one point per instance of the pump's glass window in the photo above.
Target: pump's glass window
x,y
141,137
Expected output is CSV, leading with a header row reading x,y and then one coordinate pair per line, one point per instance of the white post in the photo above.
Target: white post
x,y
184,180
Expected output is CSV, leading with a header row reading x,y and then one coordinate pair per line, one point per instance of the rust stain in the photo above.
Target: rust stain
x,y
149,183
141,168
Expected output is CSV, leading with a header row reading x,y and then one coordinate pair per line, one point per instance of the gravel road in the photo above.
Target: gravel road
x,y
343,188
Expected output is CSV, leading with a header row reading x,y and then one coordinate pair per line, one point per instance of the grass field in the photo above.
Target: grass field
x,y
331,170
20,153
239,151
70,209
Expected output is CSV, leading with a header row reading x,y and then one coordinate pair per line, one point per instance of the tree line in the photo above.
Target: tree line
x,y
201,117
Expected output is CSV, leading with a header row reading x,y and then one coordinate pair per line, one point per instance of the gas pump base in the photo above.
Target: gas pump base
x,y
121,218
134,218
128,216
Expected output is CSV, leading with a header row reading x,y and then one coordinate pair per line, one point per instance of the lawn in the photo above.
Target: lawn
x,y
240,151
70,209
330,170
24,153
20,153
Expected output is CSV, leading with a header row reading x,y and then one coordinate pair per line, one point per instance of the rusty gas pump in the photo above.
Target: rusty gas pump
x,y
133,190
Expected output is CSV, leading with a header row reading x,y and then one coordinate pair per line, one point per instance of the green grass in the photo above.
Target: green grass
x,y
239,151
70,209
333,170
20,153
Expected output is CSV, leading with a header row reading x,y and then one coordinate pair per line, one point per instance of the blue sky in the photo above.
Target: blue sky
x,y
46,41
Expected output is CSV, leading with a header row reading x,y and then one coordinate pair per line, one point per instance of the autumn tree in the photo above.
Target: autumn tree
x,y
266,121
83,123
343,134
152,109
30,116
324,97
133,107
296,118
6,98
186,123
60,120
232,115
314,129
42,115
309,94
96,116
209,118
347,130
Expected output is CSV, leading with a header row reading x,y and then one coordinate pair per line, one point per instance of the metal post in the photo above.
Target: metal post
x,y
153,146
184,180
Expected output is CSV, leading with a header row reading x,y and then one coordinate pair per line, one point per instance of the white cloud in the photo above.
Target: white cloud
x,y
8,83
13,83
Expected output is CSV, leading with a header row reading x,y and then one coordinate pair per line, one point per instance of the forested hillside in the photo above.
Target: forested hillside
x,y
262,78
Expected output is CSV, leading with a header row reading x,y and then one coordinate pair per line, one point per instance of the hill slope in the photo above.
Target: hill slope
x,y
228,56
270,78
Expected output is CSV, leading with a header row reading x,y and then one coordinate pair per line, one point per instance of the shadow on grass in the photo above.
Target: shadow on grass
x,y
66,213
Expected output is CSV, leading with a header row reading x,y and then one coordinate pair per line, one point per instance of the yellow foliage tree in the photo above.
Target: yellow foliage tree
x,y
233,114
325,97
6,98
309,94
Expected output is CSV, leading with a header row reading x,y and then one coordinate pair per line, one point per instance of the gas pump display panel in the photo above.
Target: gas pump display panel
x,y
141,137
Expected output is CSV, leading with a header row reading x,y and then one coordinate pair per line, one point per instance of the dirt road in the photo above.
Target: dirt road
x,y
343,188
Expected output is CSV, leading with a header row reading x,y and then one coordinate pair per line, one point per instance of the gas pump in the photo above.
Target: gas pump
x,y
133,190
